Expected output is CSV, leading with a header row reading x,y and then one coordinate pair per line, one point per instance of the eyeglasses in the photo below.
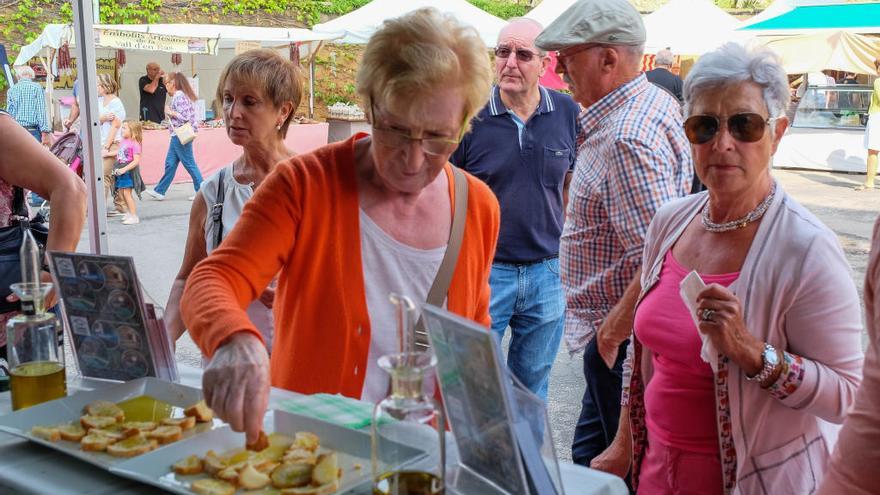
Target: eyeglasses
x,y
435,146
744,127
522,54
567,53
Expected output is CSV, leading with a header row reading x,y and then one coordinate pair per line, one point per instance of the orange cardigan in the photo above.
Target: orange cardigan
x,y
303,222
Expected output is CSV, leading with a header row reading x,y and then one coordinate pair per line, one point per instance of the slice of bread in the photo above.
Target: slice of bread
x,y
261,443
299,455
131,447
95,443
73,432
251,479
48,433
189,465
212,487
135,427
326,470
184,423
89,421
213,463
307,440
200,411
291,475
165,434
114,432
328,489
104,408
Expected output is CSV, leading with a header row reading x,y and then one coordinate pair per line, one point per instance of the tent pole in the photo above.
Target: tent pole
x,y
312,80
91,134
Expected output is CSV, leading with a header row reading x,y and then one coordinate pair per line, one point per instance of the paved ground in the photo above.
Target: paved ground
x,y
157,247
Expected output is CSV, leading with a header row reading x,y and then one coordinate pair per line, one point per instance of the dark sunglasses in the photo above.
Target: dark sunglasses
x,y
744,127
522,54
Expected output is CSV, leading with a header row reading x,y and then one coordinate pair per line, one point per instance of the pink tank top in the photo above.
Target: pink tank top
x,y
680,398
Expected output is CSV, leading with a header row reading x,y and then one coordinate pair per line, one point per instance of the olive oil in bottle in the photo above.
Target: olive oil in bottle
x,y
36,382
408,483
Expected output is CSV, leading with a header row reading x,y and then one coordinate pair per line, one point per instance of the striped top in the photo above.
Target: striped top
x,y
633,159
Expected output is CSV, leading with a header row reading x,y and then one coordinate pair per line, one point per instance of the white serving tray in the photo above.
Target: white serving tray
x,y
352,447
69,409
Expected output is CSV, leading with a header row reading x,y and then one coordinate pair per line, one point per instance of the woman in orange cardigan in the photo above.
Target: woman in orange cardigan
x,y
346,225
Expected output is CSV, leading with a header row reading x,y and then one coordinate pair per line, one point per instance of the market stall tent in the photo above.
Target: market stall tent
x,y
356,27
862,18
690,27
549,10
825,50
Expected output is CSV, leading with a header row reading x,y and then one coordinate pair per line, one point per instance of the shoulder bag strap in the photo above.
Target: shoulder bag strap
x,y
19,208
217,209
440,287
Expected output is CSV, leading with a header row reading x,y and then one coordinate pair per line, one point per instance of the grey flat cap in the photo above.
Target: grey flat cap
x,y
615,22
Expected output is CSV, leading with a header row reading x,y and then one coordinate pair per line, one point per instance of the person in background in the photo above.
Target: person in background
x,y
759,412
260,92
26,103
180,112
523,145
74,108
111,114
662,75
872,133
634,158
853,466
48,177
349,223
127,160
152,94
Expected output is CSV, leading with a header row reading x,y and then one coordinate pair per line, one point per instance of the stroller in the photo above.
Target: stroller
x,y
68,149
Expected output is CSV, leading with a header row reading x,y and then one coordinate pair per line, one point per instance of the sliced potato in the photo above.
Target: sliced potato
x,y
184,423
307,440
48,433
72,432
212,487
189,465
251,479
200,411
291,475
326,470
104,408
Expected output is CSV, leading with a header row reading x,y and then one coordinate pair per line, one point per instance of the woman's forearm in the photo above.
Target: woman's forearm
x,y
173,320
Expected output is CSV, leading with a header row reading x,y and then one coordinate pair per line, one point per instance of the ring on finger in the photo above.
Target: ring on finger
x,y
707,314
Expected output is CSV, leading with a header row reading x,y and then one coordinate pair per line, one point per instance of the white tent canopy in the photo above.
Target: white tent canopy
x,y
547,11
54,35
357,26
777,8
690,27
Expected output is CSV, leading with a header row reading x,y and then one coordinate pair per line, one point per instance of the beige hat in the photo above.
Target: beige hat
x,y
613,22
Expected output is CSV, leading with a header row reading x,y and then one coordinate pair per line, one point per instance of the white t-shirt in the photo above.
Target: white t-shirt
x,y
391,266
118,109
235,196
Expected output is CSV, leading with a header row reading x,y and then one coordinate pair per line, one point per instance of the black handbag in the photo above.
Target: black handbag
x,y
10,244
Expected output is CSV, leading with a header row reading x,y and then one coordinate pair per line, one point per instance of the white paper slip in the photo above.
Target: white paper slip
x,y
689,289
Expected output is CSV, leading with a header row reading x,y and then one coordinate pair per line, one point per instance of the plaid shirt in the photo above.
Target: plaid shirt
x,y
634,158
26,102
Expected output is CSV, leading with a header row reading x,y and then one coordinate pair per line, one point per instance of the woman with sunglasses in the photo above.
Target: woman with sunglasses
x,y
742,389
349,223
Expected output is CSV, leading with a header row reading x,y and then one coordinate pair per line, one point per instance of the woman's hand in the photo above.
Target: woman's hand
x,y
236,383
615,460
268,297
724,324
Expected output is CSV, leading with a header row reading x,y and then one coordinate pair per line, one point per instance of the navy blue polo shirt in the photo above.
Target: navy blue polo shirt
x,y
525,169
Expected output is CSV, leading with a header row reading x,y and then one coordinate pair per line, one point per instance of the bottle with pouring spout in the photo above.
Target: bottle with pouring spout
x,y
36,364
408,421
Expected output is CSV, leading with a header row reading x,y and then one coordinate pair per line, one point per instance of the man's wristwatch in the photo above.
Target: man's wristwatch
x,y
771,360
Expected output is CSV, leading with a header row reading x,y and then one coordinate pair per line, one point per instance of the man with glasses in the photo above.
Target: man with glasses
x,y
523,146
634,158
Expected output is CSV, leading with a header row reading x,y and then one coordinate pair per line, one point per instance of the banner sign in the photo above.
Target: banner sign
x,y
132,40
246,46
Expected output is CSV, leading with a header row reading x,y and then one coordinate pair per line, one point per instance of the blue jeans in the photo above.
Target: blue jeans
x,y
36,200
179,153
600,406
529,298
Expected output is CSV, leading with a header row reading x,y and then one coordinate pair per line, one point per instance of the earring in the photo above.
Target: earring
x,y
278,127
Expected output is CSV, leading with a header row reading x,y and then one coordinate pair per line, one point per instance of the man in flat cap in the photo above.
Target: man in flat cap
x,y
633,159
522,145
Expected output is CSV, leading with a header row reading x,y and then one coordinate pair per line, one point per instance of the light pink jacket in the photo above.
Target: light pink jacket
x,y
797,294
855,466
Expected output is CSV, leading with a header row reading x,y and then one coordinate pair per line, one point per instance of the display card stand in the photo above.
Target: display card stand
x,y
500,428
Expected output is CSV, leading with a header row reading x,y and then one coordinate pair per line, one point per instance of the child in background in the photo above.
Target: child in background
x,y
127,160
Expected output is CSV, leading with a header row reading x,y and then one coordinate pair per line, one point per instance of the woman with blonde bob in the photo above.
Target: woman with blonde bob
x,y
259,92
349,223
111,114
756,408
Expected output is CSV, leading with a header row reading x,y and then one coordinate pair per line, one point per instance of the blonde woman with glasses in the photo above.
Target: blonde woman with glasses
x,y
349,223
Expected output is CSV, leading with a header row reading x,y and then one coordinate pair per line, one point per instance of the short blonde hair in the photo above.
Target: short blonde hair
x,y
108,83
137,130
415,54
278,78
